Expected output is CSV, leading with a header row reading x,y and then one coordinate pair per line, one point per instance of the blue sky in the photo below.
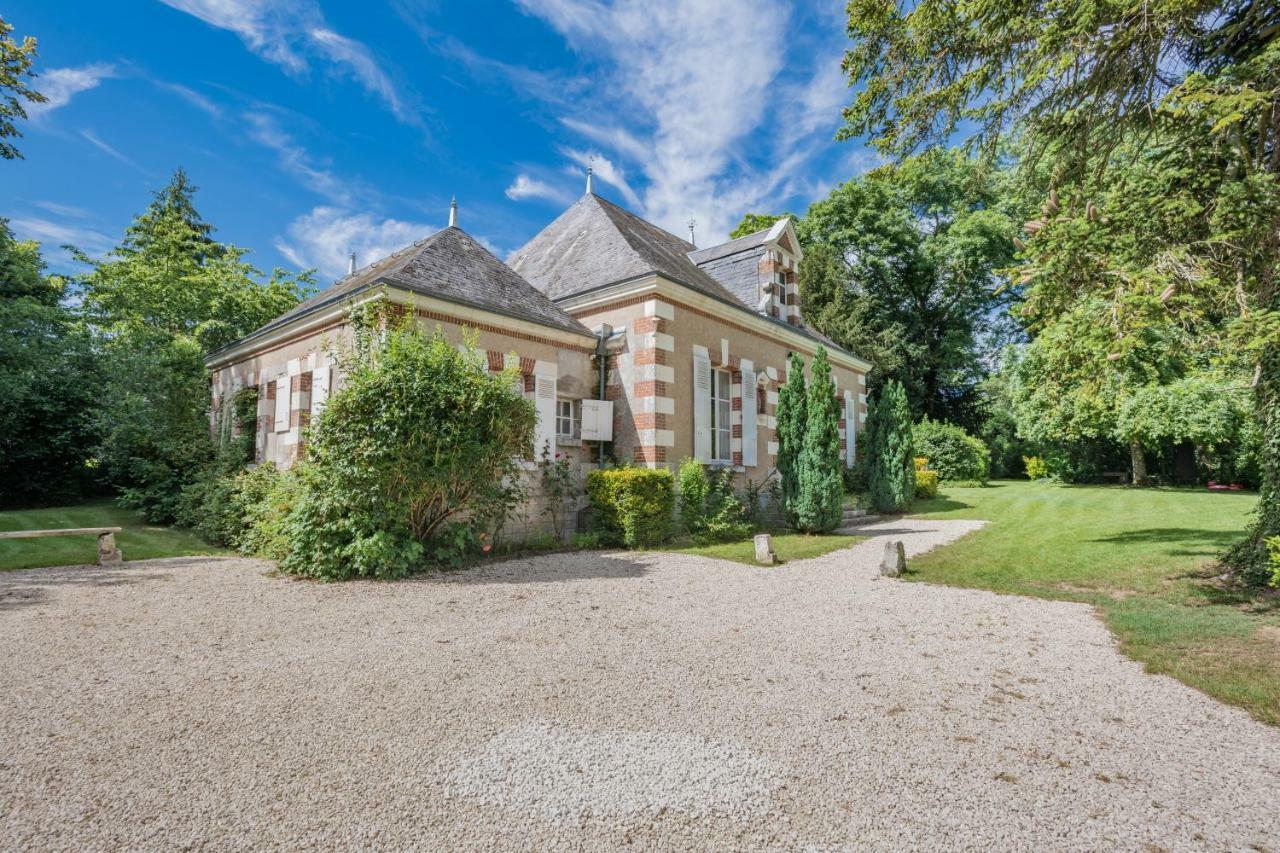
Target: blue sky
x,y
315,127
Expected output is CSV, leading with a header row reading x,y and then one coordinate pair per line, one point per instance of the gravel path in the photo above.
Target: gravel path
x,y
592,701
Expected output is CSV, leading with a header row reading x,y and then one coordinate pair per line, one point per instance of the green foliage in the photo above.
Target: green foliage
x,y
951,451
900,267
791,421
590,540
419,438
161,300
889,450
268,497
693,487
15,64
753,222
1035,467
819,503
633,506
559,487
1196,409
49,381
926,484
1273,548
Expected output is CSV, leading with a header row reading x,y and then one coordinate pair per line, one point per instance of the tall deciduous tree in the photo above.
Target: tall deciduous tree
x,y
1088,86
819,504
15,74
889,449
48,383
791,420
162,299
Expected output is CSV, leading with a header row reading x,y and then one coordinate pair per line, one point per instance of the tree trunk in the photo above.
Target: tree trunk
x,y
1139,460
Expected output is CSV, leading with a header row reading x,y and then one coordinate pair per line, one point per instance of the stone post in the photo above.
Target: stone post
x,y
108,554
895,559
764,550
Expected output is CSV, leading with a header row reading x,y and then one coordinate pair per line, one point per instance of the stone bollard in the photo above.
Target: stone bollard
x,y
764,550
108,553
895,559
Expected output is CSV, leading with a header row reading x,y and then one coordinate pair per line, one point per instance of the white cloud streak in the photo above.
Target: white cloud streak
x,y
697,93
60,85
92,139
524,187
324,237
317,176
605,170
292,34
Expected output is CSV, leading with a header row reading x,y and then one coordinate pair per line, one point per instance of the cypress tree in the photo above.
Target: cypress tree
x,y
821,488
790,418
890,467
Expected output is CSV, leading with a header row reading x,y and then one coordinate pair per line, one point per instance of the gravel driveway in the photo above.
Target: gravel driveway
x,y
593,701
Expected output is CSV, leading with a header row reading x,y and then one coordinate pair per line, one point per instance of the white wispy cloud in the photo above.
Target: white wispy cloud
x,y
325,236
524,187
92,139
52,236
603,169
316,175
293,34
192,97
709,101
62,209
60,85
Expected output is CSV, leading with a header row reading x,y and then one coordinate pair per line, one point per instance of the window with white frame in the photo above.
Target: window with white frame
x,y
568,418
720,409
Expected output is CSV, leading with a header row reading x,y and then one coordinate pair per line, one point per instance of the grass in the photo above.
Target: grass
x,y
788,547
1144,557
139,540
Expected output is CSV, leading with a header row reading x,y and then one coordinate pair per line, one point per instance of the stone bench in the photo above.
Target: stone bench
x,y
108,553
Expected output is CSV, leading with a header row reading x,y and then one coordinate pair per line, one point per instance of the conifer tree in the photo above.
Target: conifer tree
x,y
890,467
790,417
821,488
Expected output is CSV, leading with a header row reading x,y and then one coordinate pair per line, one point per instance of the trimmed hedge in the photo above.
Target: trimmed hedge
x,y
633,506
951,451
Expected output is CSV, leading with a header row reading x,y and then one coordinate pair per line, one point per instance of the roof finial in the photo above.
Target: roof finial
x,y
692,224
351,264
589,190
453,213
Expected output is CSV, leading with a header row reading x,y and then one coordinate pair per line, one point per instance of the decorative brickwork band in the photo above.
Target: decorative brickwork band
x,y
649,454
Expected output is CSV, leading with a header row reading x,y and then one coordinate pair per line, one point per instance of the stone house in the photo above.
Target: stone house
x,y
633,344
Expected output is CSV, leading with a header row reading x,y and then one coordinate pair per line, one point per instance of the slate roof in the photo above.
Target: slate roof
x,y
448,265
595,243
741,244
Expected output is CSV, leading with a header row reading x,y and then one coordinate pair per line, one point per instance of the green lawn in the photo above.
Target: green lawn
x,y
1144,557
788,546
139,541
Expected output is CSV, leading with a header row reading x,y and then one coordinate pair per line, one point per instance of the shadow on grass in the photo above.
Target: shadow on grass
x,y
1216,539
939,505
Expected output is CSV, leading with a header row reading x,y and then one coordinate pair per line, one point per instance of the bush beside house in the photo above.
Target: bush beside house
x,y
633,506
951,451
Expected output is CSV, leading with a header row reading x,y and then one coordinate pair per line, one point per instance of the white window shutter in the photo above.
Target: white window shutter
x,y
545,402
597,420
701,408
282,404
850,433
319,389
748,418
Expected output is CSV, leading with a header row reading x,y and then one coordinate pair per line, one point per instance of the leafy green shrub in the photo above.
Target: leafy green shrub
x,y
1273,549
694,488
890,470
543,542
633,505
967,484
709,510
1037,468
790,419
267,496
588,541
951,451
559,487
420,438
926,484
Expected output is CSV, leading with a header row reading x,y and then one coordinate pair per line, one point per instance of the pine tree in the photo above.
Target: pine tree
x,y
790,418
890,467
821,488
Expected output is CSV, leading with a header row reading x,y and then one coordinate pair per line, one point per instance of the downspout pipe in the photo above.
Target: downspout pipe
x,y
603,333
